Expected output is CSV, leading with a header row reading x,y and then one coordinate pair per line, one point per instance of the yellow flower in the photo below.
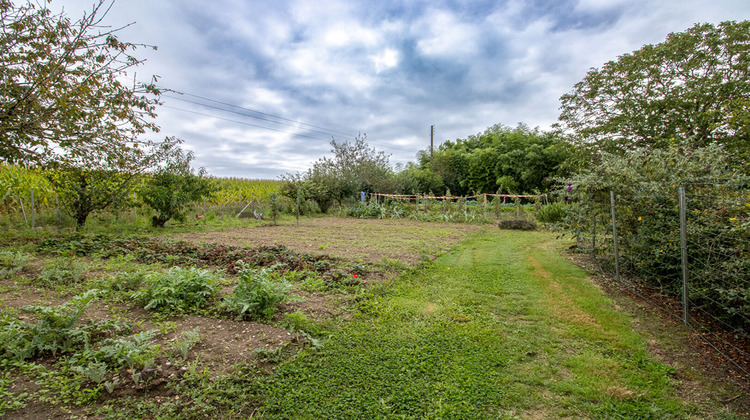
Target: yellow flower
x,y
732,219
639,218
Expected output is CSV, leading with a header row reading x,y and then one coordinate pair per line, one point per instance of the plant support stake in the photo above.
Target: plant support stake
x,y
33,219
683,250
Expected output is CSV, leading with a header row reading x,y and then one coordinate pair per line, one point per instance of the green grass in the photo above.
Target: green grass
x,y
503,327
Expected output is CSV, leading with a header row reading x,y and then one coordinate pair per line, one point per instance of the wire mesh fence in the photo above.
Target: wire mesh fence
x,y
689,244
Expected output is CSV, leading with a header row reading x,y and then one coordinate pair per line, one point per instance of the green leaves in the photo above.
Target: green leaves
x,y
178,290
692,87
61,98
171,189
257,294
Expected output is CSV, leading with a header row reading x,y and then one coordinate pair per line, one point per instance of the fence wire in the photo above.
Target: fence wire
x,y
715,300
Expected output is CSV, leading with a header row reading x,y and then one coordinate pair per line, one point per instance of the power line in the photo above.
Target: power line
x,y
262,113
242,122
250,116
328,132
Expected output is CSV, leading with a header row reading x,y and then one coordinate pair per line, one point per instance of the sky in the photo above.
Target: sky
x,y
258,89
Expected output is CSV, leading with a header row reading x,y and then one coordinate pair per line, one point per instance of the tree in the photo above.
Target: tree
x,y
172,188
88,183
516,159
63,93
691,89
354,167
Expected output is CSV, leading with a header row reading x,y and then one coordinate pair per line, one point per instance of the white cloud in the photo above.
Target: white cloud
x,y
387,59
445,35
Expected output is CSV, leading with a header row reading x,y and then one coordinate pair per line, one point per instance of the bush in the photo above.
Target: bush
x,y
63,272
257,294
179,289
517,224
645,183
56,331
551,213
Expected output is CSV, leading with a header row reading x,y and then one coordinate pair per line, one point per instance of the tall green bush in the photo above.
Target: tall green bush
x,y
645,183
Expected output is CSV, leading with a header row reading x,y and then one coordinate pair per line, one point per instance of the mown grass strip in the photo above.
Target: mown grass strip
x,y
503,327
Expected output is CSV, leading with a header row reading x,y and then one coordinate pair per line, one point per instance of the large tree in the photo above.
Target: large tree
x,y
64,91
691,89
515,160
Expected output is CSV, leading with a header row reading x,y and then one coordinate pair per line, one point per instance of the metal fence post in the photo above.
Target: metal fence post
x,y
33,218
683,249
614,236
593,235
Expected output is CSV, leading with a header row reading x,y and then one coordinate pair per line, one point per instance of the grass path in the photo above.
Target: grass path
x,y
503,327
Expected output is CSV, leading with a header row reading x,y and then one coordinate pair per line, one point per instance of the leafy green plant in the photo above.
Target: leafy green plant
x,y
178,290
94,371
551,213
129,280
257,294
188,341
173,188
134,352
56,331
63,272
11,263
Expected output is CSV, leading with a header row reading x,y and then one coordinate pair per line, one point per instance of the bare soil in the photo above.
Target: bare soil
x,y
352,239
225,342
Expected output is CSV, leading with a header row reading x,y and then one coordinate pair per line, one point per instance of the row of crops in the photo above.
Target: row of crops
x,y
26,193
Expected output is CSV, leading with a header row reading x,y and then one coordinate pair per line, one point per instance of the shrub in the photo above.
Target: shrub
x,y
179,290
551,213
517,224
645,183
257,294
56,331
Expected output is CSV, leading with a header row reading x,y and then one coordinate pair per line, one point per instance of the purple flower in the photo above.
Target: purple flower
x,y
708,167
570,188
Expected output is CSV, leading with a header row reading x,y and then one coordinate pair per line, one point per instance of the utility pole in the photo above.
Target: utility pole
x,y
432,137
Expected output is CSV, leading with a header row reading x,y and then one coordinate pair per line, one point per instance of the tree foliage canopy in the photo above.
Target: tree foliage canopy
x,y
63,92
693,88
510,159
354,167
172,188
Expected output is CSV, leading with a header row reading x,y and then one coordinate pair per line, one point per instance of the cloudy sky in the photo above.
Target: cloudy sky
x,y
265,85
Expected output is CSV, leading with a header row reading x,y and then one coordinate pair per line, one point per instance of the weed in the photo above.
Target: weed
x,y
129,280
257,294
94,371
54,332
270,355
110,385
11,263
62,272
134,352
9,400
166,327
